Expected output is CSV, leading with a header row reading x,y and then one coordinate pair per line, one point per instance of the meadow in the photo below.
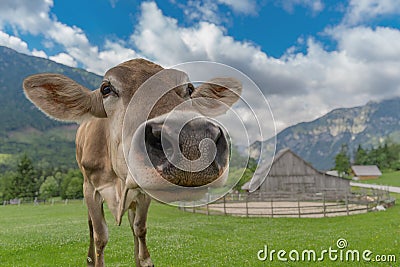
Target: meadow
x,y
57,235
388,178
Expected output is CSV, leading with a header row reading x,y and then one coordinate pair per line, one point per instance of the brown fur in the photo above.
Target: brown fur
x,y
207,97
63,98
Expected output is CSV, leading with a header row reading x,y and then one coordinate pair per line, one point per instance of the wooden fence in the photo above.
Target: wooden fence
x,y
52,201
299,205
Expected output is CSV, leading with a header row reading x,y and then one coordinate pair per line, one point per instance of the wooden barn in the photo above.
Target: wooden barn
x,y
365,172
290,175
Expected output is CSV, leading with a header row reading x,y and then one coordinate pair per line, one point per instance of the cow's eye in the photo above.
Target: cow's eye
x,y
105,90
190,88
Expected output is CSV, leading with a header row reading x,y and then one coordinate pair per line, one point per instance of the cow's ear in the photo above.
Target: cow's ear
x,y
216,96
62,98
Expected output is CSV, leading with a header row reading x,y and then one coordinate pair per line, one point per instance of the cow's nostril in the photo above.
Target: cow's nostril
x,y
214,132
153,136
218,137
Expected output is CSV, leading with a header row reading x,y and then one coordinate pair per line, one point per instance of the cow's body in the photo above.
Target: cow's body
x,y
101,183
99,144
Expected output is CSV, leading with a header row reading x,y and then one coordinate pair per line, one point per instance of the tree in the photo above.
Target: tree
x,y
25,182
5,185
361,157
386,156
342,162
65,189
49,188
74,189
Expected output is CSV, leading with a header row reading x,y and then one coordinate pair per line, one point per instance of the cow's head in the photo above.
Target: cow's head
x,y
172,139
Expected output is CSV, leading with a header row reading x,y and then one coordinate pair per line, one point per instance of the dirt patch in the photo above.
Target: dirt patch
x,y
301,209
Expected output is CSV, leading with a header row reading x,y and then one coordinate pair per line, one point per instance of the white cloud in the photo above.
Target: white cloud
x,y
39,53
65,59
241,6
34,17
78,47
159,37
67,35
19,45
315,6
206,10
13,42
114,54
209,10
367,44
360,11
30,16
300,86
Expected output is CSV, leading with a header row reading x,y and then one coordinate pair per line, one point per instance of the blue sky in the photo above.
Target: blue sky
x,y
307,56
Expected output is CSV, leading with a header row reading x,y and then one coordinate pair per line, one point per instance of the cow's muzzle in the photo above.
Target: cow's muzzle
x,y
190,155
184,149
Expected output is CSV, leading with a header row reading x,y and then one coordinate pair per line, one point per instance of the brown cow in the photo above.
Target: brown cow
x,y
99,141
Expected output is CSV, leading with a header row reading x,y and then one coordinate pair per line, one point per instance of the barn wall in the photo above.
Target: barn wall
x,y
291,174
365,177
304,184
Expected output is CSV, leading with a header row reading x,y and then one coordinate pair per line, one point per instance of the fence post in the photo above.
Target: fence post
x,y
225,205
378,197
247,207
182,206
208,209
272,207
324,203
298,205
347,205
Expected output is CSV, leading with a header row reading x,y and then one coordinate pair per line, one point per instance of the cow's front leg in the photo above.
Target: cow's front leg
x,y
91,252
137,218
99,226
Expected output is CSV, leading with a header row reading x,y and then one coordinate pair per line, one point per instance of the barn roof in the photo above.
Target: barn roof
x,y
366,170
258,176
333,173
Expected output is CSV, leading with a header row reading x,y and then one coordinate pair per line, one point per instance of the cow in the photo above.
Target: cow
x,y
99,140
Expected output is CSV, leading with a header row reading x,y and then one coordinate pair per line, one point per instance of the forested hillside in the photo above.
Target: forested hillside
x,y
37,154
23,128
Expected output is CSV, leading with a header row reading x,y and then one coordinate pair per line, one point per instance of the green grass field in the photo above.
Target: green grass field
x,y
57,236
387,178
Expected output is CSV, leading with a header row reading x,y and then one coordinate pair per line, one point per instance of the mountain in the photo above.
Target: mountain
x,y
320,140
25,129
